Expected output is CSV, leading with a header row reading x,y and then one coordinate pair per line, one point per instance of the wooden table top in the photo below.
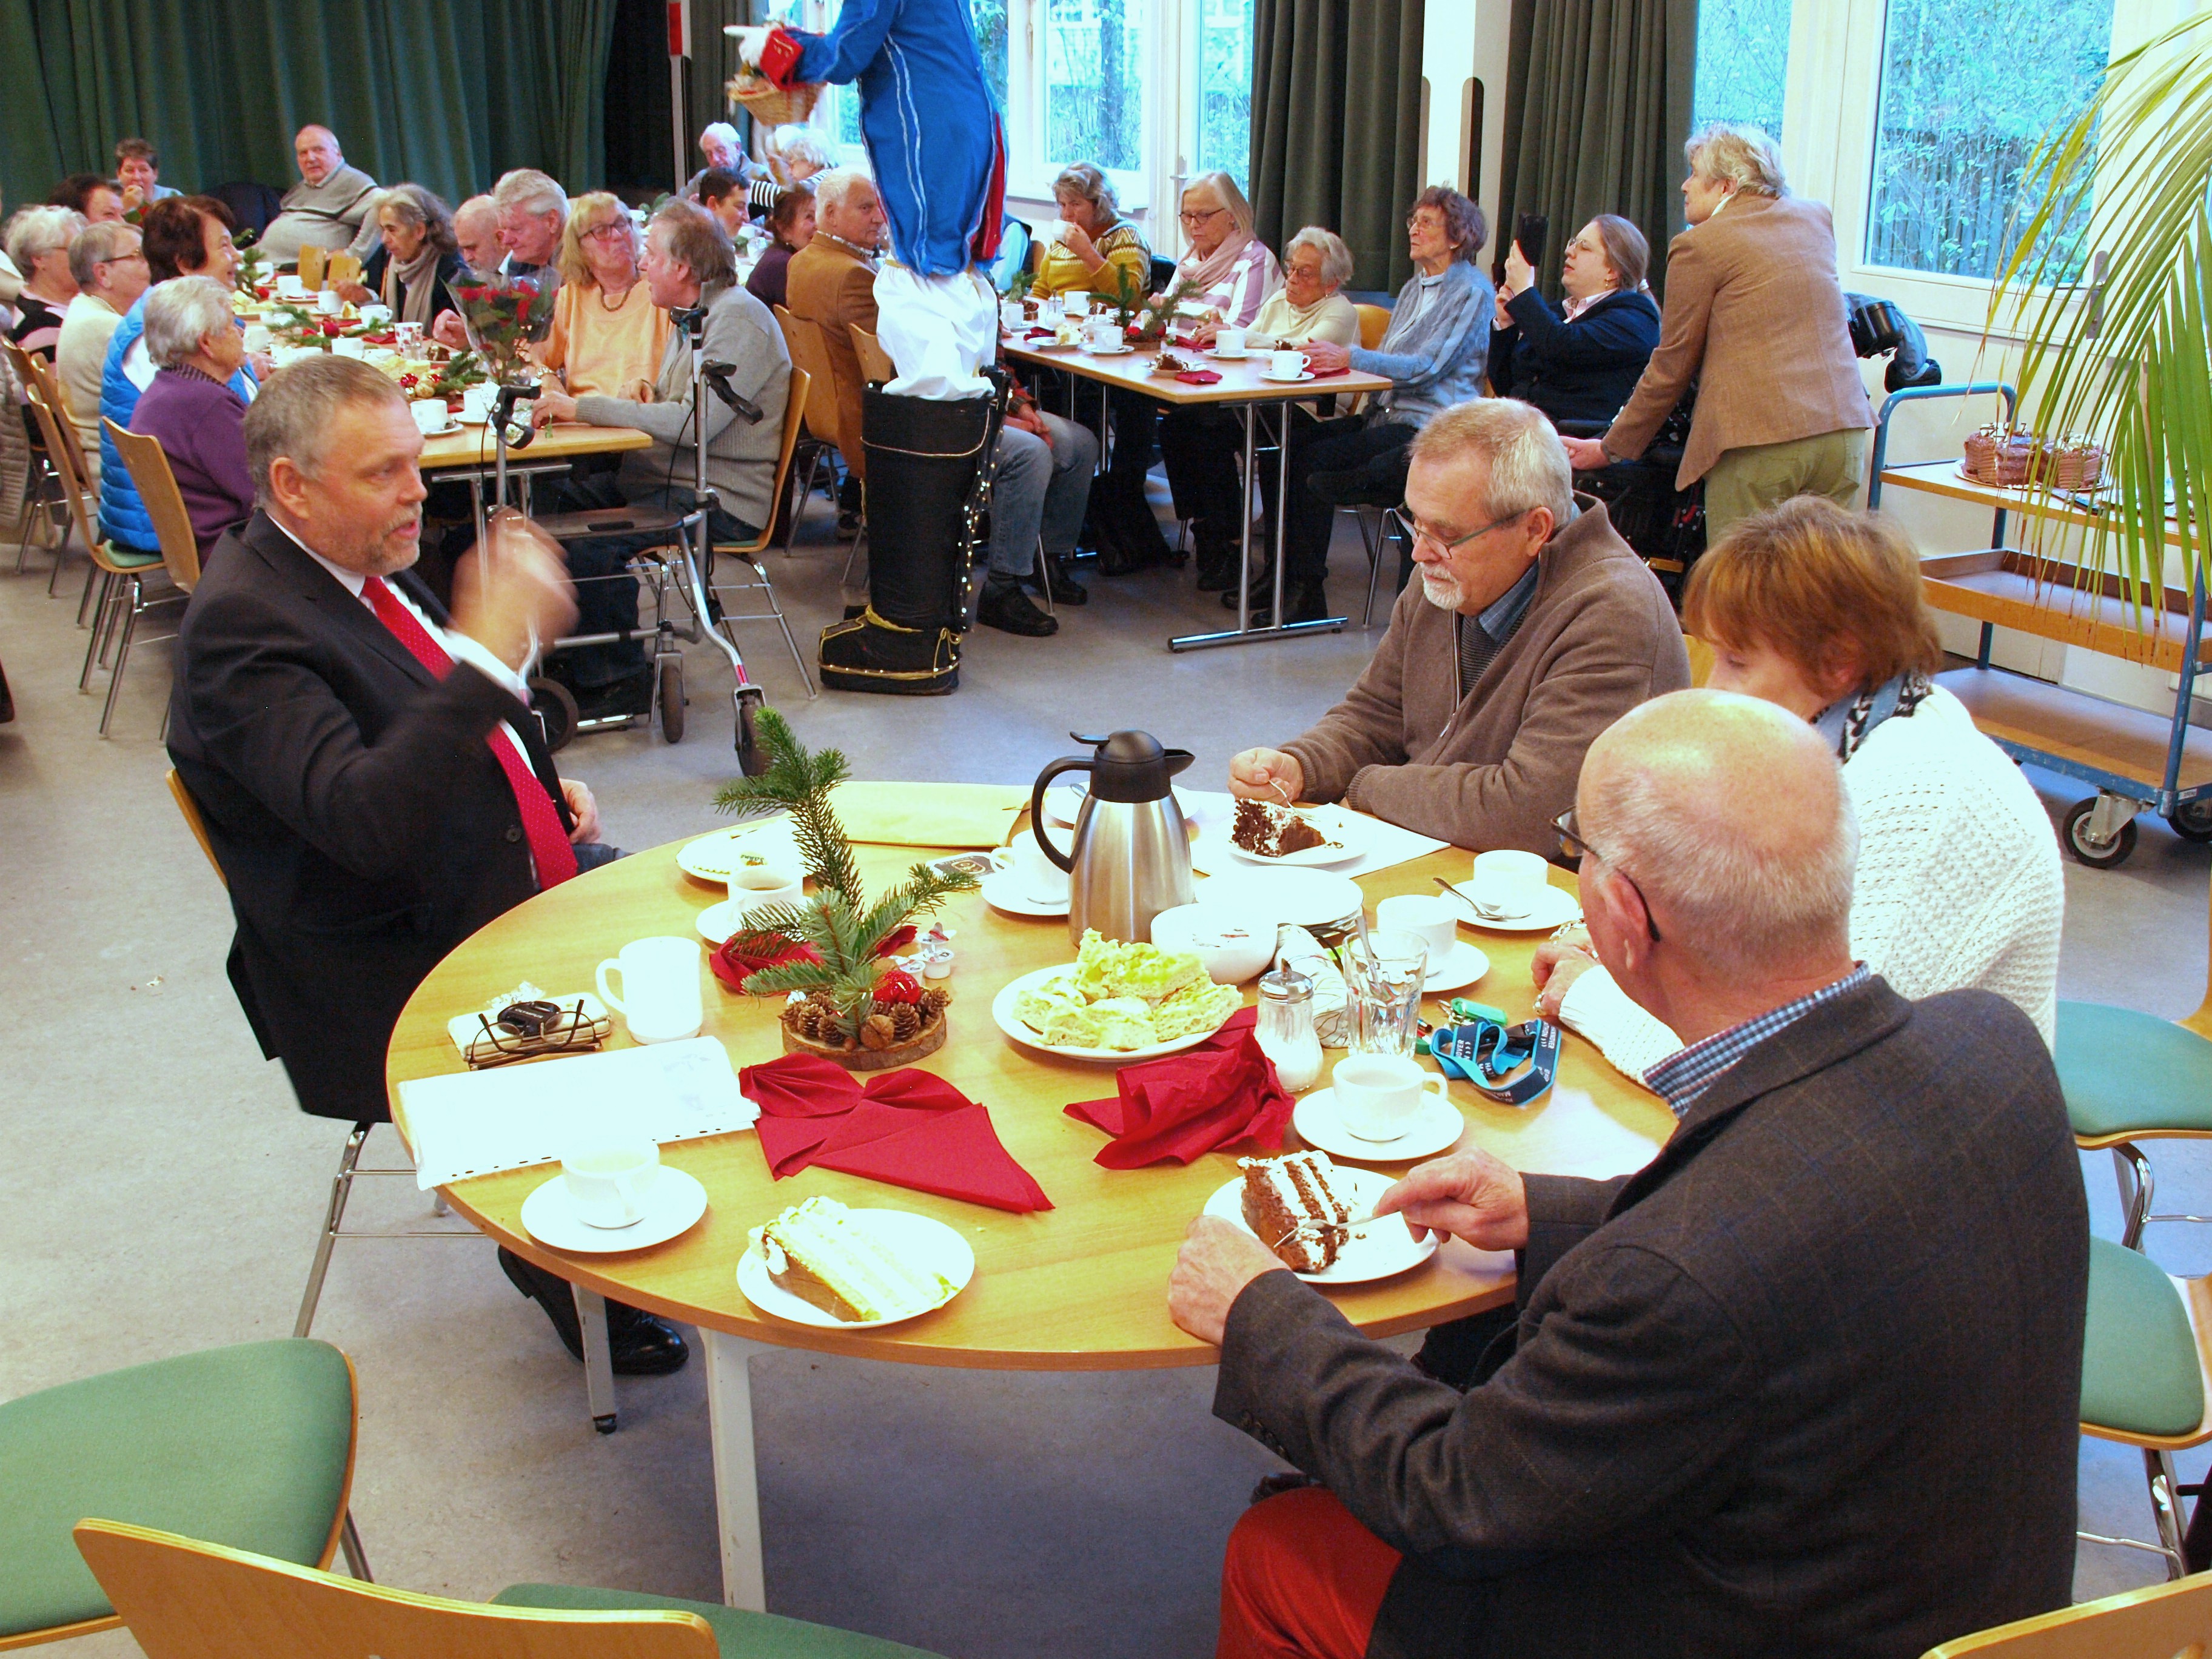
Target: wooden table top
x,y
472,445
1240,382
1079,1287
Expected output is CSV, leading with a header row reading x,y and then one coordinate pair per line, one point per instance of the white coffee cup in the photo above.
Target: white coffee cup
x,y
1228,342
660,998
755,885
329,302
375,315
1378,1095
1076,304
430,415
1102,333
1505,885
289,287
257,337
346,347
1435,920
607,1183
477,402
1037,875
1285,365
1010,317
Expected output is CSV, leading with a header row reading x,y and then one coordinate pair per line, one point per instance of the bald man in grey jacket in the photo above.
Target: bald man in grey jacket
x,y
1534,627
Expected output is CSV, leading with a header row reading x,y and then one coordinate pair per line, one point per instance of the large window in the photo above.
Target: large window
x,y
1224,79
1967,89
1094,83
1743,61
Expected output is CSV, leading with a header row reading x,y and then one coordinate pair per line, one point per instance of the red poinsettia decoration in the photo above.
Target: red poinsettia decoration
x,y
750,949
896,941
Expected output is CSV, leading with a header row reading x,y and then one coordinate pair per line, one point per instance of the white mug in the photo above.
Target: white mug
x,y
1505,883
754,886
1287,365
1102,333
257,337
430,415
1076,304
349,346
1433,918
660,998
329,302
375,315
607,1183
289,287
1228,342
1037,875
477,402
1010,317
1378,1095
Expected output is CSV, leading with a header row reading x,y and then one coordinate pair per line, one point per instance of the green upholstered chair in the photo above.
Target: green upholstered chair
x,y
253,1445
2144,1378
2130,1077
185,1600
2159,1621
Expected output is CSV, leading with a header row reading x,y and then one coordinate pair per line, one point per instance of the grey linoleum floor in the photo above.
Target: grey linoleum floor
x,y
159,1192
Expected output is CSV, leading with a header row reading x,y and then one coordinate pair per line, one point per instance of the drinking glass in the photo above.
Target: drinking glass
x,y
1382,977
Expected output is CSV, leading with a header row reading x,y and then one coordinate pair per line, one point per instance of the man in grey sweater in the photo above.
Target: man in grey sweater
x,y
688,264
1534,627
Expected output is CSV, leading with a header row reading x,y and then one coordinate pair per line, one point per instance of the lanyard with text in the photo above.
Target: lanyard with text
x,y
1485,1052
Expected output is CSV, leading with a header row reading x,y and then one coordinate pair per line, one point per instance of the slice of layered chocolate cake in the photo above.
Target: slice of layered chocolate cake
x,y
1298,1209
1270,831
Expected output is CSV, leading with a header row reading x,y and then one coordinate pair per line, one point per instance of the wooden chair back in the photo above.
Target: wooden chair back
x,y
149,465
876,363
2161,1621
809,350
34,369
180,792
182,1599
61,450
1374,324
341,268
794,422
314,262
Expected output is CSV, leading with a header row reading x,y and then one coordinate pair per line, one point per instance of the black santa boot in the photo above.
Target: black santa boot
x,y
924,456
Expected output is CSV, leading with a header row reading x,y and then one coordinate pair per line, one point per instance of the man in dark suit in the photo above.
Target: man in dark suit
x,y
1806,1384
374,785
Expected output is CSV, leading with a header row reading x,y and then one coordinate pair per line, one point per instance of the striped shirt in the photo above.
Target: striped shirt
x,y
1680,1079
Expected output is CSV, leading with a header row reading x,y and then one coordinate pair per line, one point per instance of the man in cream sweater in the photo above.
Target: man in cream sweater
x,y
111,274
1533,628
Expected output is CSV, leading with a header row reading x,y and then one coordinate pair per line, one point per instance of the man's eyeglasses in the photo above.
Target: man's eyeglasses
x,y
1572,842
1402,521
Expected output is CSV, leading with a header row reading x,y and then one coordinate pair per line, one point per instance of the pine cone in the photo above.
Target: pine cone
x,y
932,1002
906,1022
877,1031
815,1019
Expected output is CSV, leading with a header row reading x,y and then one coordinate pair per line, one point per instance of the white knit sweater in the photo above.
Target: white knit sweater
x,y
1958,882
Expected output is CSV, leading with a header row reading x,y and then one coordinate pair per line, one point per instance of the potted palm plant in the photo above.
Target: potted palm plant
x,y
855,1006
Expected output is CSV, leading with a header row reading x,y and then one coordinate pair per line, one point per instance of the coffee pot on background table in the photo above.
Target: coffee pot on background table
x,y
1129,858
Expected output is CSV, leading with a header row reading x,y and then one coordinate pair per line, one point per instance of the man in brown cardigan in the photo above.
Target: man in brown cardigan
x,y
832,281
1756,317
1534,627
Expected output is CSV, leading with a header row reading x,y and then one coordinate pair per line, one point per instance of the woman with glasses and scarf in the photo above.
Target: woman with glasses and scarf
x,y
1819,611
416,261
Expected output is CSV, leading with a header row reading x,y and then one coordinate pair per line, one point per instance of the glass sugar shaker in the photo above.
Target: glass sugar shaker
x,y
1286,1029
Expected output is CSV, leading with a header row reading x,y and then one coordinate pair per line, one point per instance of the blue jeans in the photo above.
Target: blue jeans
x,y
1041,489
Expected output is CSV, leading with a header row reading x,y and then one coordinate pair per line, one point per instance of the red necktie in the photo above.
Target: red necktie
x,y
540,820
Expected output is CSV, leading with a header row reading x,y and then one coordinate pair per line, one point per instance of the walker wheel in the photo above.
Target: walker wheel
x,y
750,762
556,710
2192,820
2105,855
672,699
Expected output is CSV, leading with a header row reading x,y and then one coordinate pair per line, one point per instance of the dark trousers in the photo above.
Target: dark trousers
x,y
1375,457
1200,444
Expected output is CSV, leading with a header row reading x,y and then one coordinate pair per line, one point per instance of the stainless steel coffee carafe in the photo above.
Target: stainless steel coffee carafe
x,y
1129,859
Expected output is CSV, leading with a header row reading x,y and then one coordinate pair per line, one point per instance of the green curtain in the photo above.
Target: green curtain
x,y
448,93
1336,126
714,61
1597,104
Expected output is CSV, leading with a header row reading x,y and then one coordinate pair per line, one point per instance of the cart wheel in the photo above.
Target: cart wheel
x,y
2112,854
556,710
671,699
2192,820
750,762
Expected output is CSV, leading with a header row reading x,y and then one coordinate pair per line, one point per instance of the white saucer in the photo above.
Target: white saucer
x,y
1287,379
718,921
1002,890
1554,910
1376,1248
1435,1128
1110,351
1463,966
446,431
673,1204
1229,356
922,1240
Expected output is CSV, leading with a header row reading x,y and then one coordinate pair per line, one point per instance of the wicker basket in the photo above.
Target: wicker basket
x,y
764,101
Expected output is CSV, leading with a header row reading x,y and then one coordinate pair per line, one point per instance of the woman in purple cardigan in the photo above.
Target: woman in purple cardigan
x,y
200,423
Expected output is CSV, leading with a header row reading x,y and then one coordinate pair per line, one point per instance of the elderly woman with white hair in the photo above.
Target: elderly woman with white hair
x,y
190,409
1755,317
1229,273
38,241
1200,443
793,157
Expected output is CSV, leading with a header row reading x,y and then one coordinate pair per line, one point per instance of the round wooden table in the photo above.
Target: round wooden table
x,y
1082,1286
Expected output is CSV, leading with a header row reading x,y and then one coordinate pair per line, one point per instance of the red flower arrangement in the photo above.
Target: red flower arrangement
x,y
503,318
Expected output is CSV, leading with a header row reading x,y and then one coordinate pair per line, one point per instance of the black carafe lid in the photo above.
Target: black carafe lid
x,y
1131,766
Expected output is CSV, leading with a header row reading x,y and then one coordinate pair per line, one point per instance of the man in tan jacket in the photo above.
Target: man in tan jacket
x,y
1534,627
1754,316
832,281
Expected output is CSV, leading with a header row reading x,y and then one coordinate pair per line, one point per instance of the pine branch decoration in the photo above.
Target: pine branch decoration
x,y
845,931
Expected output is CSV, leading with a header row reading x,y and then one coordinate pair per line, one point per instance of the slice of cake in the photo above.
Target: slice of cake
x,y
1270,831
1294,1206
824,1254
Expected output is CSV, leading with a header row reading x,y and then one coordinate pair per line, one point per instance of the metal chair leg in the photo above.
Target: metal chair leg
x,y
2165,1505
1369,539
92,650
356,1559
122,656
341,1189
599,1358
845,579
2133,1171
1044,575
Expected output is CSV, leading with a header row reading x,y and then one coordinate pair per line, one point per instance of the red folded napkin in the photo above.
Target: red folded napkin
x,y
1199,376
908,1128
1184,1105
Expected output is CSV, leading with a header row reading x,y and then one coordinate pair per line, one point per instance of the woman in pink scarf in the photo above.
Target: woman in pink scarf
x,y
1228,271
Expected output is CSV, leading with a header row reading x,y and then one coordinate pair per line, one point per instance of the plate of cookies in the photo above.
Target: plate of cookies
x,y
1318,1216
822,1264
